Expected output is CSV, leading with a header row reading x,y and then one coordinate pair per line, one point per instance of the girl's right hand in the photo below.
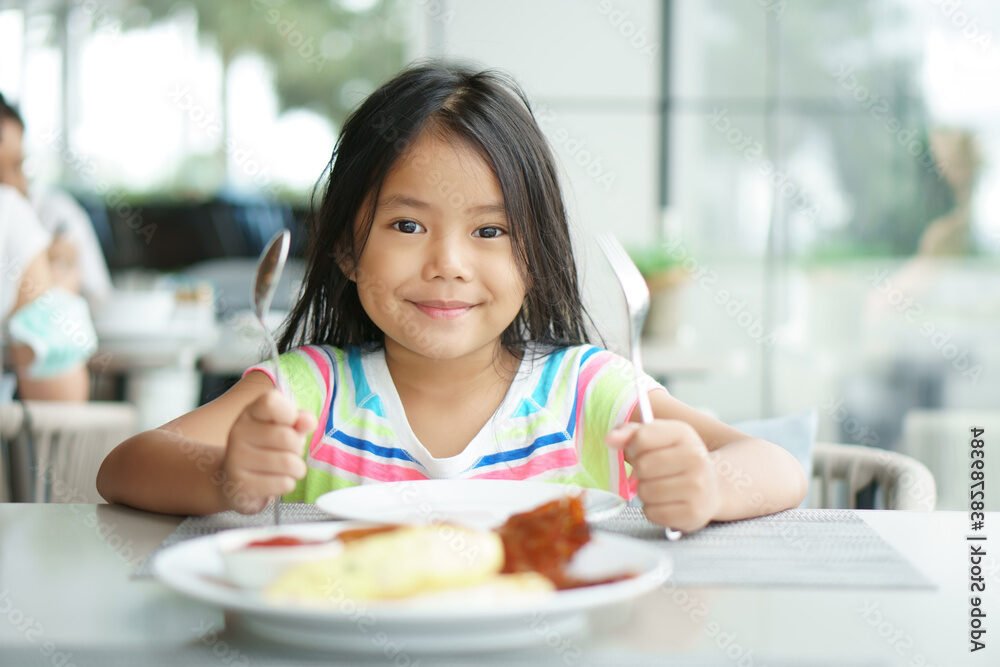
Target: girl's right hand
x,y
263,455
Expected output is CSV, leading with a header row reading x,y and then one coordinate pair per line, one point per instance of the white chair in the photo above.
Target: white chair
x,y
53,450
941,440
893,480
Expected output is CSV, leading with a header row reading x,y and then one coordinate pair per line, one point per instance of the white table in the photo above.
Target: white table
x,y
68,567
161,374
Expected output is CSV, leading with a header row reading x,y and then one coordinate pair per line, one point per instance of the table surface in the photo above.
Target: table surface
x,y
68,568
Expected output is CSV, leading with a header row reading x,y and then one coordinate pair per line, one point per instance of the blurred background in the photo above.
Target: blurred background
x,y
810,186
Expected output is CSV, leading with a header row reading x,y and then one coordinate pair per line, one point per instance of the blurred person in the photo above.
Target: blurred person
x,y
899,292
908,307
75,256
48,327
956,156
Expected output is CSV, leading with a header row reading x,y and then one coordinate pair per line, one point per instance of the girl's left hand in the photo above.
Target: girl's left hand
x,y
677,480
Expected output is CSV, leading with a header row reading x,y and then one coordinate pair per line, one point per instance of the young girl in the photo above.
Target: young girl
x,y
440,334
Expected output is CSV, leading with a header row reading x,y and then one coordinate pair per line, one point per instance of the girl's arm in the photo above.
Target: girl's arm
x,y
182,467
693,468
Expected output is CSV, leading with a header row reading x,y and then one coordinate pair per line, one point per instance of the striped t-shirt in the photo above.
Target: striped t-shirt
x,y
550,426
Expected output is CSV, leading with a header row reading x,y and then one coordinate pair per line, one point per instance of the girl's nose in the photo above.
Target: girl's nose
x,y
448,258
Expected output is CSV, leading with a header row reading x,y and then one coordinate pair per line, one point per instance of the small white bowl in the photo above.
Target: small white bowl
x,y
135,311
255,567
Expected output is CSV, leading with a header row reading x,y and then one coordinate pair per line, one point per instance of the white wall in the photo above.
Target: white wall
x,y
591,69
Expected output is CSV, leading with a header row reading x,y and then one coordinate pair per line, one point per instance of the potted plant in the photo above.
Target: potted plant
x,y
663,268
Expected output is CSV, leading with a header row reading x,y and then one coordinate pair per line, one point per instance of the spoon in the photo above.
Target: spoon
x,y
269,268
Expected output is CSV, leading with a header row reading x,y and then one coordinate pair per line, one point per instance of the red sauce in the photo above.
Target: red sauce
x,y
282,541
345,537
361,533
545,540
564,582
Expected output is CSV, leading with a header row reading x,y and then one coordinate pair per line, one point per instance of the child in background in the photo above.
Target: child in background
x,y
75,256
440,334
47,329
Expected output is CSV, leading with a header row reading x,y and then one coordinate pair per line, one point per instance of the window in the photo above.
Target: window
x,y
831,173
194,97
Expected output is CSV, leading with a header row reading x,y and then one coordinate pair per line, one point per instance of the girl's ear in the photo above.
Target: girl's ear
x,y
346,264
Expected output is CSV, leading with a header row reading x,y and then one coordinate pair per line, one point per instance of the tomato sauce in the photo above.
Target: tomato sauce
x,y
282,541
545,539
361,533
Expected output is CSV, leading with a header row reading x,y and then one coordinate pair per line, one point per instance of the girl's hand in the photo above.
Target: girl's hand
x,y
264,452
677,481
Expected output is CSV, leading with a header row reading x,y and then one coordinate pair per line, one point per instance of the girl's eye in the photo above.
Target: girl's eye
x,y
490,232
407,226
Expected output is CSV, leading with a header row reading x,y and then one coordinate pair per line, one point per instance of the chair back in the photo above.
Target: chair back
x,y
51,451
870,478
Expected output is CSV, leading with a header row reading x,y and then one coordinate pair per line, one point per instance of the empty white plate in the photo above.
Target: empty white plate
x,y
476,502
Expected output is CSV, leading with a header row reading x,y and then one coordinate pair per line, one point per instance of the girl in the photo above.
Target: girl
x,y
440,333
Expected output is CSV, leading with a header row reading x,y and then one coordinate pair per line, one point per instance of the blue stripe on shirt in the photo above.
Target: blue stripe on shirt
x,y
523,452
369,446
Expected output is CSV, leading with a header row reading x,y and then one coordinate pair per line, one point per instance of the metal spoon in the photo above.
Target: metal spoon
x,y
269,268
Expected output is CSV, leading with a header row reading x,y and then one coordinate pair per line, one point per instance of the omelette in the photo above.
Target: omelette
x,y
426,562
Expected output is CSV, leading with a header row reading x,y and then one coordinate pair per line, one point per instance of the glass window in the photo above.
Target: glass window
x,y
192,98
844,155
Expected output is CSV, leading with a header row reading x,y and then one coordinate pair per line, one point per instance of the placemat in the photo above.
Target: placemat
x,y
799,547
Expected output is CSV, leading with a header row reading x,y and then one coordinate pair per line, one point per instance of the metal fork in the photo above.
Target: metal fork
x,y
636,293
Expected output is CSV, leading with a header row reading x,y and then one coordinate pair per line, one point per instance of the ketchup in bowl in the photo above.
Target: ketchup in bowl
x,y
253,557
282,541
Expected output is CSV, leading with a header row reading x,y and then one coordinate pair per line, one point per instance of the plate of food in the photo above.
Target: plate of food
x,y
434,587
475,502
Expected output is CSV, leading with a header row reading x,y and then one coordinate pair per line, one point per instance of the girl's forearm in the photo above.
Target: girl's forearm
x,y
756,477
163,471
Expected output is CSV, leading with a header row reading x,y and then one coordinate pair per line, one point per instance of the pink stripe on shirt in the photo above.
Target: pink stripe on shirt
x,y
362,467
626,487
321,363
586,375
562,458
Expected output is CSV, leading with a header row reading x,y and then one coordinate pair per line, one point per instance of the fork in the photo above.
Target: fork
x,y
636,293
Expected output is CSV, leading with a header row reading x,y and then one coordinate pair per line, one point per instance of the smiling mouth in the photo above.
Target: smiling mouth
x,y
443,313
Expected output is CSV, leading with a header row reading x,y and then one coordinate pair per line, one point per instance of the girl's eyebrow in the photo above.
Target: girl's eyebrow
x,y
403,201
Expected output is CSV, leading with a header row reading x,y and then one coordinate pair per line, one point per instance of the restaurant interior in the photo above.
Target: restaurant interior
x,y
806,186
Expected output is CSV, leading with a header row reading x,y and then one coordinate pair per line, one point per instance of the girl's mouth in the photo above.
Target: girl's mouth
x,y
443,312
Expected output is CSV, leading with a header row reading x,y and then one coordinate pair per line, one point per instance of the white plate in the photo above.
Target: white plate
x,y
195,568
476,502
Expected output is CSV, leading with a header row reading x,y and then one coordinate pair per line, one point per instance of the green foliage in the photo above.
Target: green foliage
x,y
844,250
326,57
655,259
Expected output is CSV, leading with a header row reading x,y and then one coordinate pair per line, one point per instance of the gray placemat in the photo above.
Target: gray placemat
x,y
805,548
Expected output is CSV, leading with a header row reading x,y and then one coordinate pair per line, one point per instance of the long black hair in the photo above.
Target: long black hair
x,y
10,112
488,110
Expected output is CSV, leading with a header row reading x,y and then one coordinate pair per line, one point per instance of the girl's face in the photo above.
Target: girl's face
x,y
437,274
